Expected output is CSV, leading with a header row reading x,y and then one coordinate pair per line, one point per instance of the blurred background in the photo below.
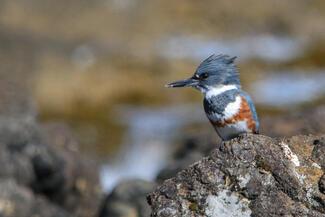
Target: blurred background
x,y
96,70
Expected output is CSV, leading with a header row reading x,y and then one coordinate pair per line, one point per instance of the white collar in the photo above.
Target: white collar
x,y
217,90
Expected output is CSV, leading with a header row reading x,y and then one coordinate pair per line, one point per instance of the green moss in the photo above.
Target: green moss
x,y
194,207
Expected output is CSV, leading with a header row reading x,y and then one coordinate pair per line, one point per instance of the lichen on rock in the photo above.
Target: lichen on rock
x,y
226,204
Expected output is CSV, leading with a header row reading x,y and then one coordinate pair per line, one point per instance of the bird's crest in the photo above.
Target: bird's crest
x,y
221,61
221,58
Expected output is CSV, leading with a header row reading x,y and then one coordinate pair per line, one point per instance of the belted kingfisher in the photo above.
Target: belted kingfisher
x,y
230,110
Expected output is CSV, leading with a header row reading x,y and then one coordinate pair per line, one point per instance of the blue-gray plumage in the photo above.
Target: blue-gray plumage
x,y
230,110
220,69
218,103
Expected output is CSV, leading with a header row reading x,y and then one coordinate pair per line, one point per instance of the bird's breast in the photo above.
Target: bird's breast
x,y
236,115
219,113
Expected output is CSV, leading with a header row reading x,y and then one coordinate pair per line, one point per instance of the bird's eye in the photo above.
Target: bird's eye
x,y
196,76
204,75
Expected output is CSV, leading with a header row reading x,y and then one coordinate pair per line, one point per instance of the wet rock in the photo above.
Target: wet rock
x,y
128,199
46,161
253,175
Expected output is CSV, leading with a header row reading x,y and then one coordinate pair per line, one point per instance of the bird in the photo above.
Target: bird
x,y
230,110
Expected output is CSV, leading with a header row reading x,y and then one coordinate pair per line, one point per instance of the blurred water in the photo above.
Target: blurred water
x,y
265,47
149,135
289,89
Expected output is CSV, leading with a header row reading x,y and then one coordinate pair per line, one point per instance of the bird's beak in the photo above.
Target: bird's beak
x,y
183,83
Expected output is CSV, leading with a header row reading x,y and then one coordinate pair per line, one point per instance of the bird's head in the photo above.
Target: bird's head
x,y
216,70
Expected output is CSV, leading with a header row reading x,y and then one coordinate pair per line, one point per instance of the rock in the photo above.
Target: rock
x,y
19,140
253,175
46,161
18,201
318,151
81,192
176,165
190,151
128,199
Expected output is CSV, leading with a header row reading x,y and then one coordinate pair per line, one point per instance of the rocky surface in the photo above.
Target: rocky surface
x,y
186,153
253,175
42,173
128,199
19,201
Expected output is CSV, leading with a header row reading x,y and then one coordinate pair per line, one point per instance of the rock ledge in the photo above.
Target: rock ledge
x,y
252,175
